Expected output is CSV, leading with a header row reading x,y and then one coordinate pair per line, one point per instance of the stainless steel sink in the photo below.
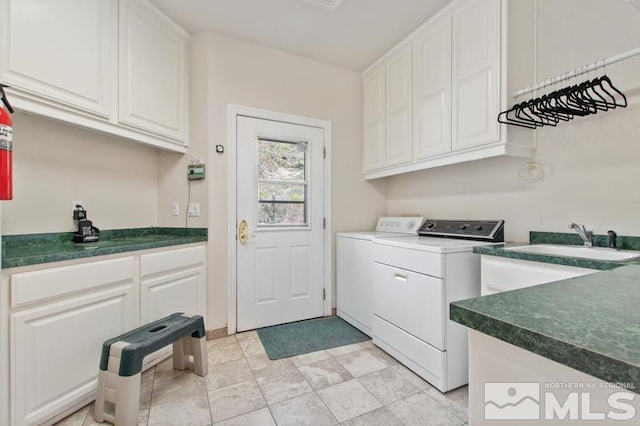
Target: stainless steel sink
x,y
596,253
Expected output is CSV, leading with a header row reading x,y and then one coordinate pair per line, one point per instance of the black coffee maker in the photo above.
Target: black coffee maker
x,y
86,233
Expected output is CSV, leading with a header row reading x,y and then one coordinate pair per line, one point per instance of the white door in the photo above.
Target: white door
x,y
280,198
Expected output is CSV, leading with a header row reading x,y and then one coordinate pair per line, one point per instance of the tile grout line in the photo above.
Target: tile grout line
x,y
255,379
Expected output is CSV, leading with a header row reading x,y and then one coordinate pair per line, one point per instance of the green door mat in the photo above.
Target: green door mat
x,y
285,340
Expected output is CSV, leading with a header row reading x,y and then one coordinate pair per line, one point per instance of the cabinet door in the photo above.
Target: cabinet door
x,y
398,107
55,350
374,119
476,71
172,281
62,53
153,71
169,293
432,90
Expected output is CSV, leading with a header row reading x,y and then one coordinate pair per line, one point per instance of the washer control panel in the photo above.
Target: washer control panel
x,y
401,225
486,230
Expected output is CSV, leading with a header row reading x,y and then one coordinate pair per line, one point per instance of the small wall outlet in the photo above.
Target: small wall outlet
x,y
193,210
175,209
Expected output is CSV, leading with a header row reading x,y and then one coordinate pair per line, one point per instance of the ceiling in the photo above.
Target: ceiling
x,y
352,36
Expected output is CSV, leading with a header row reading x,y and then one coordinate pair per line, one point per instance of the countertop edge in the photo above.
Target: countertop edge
x,y
499,251
587,361
61,257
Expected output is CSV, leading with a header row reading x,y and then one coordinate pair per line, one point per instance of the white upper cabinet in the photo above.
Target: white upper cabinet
x,y
374,119
432,90
398,95
153,71
118,67
460,81
63,51
476,73
387,103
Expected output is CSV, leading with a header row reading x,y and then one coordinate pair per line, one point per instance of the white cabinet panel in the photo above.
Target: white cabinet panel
x,y
64,51
476,73
398,107
165,261
55,350
432,90
153,71
374,119
172,281
182,292
28,287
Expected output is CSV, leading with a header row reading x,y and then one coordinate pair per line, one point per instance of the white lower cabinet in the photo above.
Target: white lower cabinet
x,y
56,319
172,282
56,350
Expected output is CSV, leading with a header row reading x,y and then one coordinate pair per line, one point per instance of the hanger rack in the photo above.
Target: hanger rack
x,y
576,72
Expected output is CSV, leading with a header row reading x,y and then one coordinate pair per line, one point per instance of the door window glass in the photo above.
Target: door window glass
x,y
282,183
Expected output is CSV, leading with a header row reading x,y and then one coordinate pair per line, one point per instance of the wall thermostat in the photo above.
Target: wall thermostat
x,y
195,171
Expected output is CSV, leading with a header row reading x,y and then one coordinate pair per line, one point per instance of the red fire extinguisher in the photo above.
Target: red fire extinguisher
x,y
6,143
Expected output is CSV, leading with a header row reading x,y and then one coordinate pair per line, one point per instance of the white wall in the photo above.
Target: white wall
x,y
247,74
55,164
591,164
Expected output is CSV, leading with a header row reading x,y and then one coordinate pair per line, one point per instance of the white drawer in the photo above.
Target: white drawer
x,y
412,260
411,301
33,286
169,260
425,360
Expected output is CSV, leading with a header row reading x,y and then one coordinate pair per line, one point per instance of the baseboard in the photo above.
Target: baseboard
x,y
217,333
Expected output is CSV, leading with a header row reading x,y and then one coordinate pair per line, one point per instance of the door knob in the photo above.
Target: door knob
x,y
243,232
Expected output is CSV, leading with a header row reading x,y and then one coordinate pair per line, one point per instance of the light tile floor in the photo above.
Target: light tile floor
x,y
351,385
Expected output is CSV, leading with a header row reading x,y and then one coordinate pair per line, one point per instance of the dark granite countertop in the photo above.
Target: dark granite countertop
x,y
590,323
32,249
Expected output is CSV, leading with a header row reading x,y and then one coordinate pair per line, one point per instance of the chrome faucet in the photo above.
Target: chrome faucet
x,y
587,236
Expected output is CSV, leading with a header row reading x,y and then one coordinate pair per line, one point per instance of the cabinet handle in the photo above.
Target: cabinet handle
x,y
401,277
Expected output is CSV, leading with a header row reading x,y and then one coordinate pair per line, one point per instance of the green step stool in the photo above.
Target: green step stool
x,y
121,362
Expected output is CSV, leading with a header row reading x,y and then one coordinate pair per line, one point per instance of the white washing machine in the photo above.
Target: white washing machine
x,y
354,262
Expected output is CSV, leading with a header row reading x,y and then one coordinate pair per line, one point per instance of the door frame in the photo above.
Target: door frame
x,y
233,112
